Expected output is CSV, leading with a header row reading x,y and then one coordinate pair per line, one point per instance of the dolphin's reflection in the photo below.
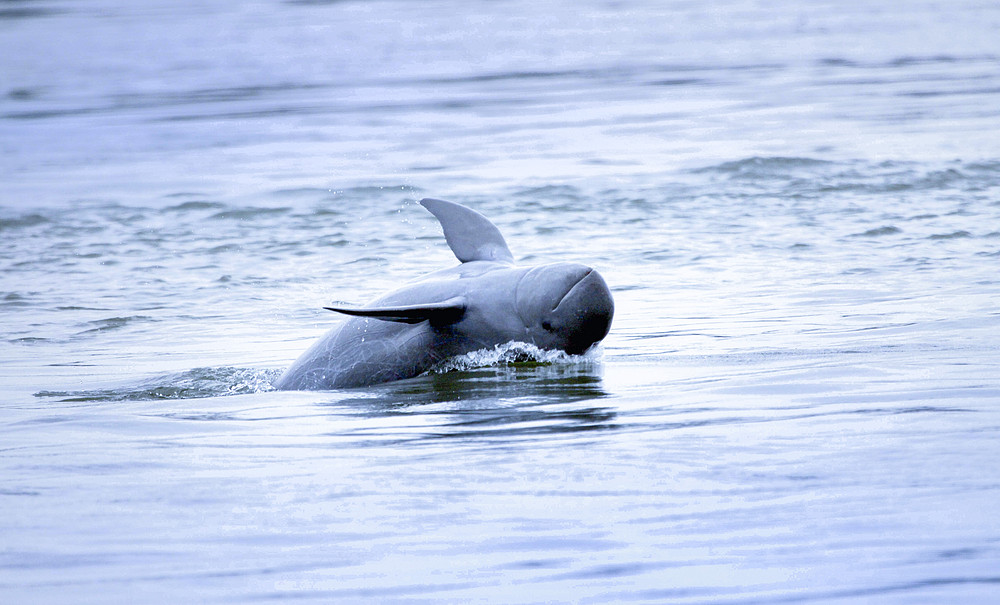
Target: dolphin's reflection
x,y
517,400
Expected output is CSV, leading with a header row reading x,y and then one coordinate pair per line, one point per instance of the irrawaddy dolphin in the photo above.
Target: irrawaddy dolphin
x,y
485,301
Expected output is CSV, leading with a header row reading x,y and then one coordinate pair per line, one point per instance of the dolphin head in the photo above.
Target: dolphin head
x,y
564,306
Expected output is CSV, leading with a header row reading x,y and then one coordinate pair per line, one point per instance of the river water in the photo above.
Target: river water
x,y
796,205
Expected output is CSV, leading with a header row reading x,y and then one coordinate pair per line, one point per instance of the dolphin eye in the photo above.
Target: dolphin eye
x,y
547,326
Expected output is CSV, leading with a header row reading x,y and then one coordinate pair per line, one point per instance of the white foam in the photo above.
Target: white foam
x,y
511,353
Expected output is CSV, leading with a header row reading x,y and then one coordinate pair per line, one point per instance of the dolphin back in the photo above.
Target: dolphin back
x,y
363,351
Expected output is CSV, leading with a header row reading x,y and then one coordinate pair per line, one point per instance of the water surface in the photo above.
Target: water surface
x,y
797,207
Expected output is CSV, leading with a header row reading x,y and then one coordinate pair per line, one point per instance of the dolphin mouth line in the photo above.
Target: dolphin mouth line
x,y
572,289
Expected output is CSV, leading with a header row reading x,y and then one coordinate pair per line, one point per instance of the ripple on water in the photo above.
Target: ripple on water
x,y
15,299
879,231
114,323
764,167
960,234
249,213
20,222
194,205
192,384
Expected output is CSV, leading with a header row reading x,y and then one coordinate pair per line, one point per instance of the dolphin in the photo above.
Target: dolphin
x,y
485,301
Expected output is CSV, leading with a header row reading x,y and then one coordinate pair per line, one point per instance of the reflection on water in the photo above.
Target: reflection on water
x,y
503,402
562,383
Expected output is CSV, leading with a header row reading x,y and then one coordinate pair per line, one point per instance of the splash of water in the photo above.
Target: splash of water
x,y
518,354
196,383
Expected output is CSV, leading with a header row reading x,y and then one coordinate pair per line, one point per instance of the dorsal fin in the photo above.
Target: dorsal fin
x,y
439,313
471,235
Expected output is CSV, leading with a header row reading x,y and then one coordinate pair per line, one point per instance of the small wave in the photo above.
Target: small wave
x,y
249,213
307,193
224,248
989,167
193,384
567,193
762,166
19,222
896,177
518,354
27,13
953,235
887,230
809,177
27,340
14,299
113,323
194,205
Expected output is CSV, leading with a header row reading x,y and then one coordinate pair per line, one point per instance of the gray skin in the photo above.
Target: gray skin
x,y
483,302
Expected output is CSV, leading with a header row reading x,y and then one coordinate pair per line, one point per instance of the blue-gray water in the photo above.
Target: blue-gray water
x,y
796,204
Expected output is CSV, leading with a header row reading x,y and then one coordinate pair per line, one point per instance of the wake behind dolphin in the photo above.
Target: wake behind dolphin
x,y
483,302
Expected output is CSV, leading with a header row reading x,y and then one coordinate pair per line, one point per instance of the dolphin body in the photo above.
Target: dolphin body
x,y
483,302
